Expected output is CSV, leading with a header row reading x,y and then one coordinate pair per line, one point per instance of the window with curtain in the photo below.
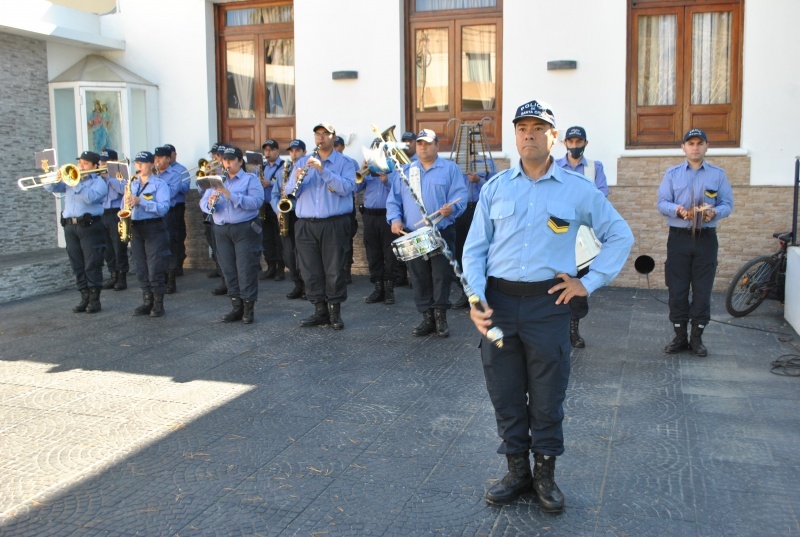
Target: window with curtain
x,y
433,67
477,73
240,62
684,71
259,15
441,5
279,74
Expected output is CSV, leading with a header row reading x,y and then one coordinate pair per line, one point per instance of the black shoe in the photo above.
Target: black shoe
x,y
462,302
515,483
220,290
321,316
214,274
377,295
297,292
427,326
549,496
94,300
388,292
269,273
574,335
696,341
110,282
280,271
681,340
237,311
122,281
440,319
146,307
81,307
158,306
335,315
248,315
179,271
172,286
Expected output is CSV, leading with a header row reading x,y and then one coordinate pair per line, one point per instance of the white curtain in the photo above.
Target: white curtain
x,y
241,79
711,58
657,68
262,15
434,5
279,70
432,70
477,67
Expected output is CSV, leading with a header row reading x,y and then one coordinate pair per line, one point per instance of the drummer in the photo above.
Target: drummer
x,y
439,186
575,140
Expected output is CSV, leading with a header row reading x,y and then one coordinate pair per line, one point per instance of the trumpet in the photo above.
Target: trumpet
x,y
205,168
285,205
68,173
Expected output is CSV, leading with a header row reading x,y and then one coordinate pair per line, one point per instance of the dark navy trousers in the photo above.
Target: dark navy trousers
x,y
239,257
150,252
691,264
432,277
85,248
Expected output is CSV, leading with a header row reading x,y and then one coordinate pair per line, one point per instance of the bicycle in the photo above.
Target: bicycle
x,y
760,278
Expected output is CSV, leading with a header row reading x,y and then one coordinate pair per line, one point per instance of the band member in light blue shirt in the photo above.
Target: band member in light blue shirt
x,y
180,207
519,259
116,251
273,247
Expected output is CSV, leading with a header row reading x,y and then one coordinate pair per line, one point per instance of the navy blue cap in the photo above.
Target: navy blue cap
x,y
144,156
270,143
408,135
338,141
297,144
575,132
108,154
695,133
535,109
170,147
214,148
232,153
163,151
89,156
221,148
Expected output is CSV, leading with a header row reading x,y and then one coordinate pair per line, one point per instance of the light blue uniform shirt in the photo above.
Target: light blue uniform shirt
x,y
153,198
375,192
511,238
440,184
271,173
326,194
275,193
599,174
247,197
185,181
693,188
85,197
474,189
116,190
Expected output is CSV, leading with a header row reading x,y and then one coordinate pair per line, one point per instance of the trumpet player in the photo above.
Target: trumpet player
x,y
148,199
297,150
116,250
325,183
83,229
273,247
378,236
237,229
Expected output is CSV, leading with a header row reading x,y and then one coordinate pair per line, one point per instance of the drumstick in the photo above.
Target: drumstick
x,y
434,213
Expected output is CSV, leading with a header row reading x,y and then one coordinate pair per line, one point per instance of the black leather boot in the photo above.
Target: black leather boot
x,y
237,311
221,289
696,342
335,315
280,271
215,273
81,307
147,305
321,316
348,275
377,294
269,273
109,282
681,340
388,292
516,482
158,306
427,326
462,302
94,300
172,286
297,292
248,314
440,316
549,496
574,335
122,281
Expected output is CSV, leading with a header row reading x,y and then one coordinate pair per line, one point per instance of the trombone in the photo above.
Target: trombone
x,y
68,173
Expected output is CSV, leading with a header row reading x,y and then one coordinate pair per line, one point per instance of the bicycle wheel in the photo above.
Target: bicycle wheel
x,y
750,286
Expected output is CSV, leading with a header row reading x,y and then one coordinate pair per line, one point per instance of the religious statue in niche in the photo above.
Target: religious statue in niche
x,y
99,125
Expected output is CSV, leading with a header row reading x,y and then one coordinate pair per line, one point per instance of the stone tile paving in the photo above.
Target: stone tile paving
x,y
114,425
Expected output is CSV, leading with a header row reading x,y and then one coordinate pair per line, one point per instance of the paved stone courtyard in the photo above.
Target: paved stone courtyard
x,y
114,425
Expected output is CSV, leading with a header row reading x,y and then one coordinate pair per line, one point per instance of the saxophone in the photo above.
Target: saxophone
x,y
286,204
124,214
283,218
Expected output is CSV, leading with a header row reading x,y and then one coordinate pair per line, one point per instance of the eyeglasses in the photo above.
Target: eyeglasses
x,y
323,134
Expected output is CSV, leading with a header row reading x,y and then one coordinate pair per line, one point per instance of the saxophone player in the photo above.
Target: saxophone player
x,y
116,250
148,198
83,230
237,229
297,150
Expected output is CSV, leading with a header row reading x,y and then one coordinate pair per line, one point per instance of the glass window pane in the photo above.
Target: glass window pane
x,y
432,70
711,58
279,71
435,5
66,130
138,121
240,75
657,60
259,15
478,67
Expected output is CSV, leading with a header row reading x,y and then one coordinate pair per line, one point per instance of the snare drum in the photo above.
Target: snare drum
x,y
587,246
419,243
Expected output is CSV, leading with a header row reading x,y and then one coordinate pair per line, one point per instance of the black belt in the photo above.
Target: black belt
x,y
702,232
75,220
373,212
522,288
327,218
148,221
